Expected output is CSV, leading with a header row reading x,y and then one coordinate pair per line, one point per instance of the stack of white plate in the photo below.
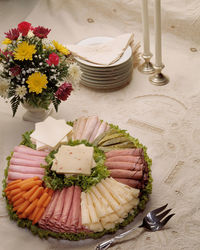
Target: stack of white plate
x,y
112,76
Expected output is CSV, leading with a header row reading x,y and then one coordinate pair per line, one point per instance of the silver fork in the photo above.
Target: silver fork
x,y
153,221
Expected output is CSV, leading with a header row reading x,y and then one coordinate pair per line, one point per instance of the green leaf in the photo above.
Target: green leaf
x,y
15,101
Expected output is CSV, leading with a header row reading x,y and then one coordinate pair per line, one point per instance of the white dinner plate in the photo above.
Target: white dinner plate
x,y
102,39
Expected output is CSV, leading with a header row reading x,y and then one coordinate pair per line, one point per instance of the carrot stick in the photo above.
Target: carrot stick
x,y
15,191
23,215
29,180
13,182
38,215
18,202
16,185
9,197
30,208
17,196
32,216
15,208
46,203
30,184
29,193
23,206
42,199
37,194
7,193
50,192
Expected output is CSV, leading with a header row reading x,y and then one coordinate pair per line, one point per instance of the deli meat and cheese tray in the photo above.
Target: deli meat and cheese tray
x,y
76,180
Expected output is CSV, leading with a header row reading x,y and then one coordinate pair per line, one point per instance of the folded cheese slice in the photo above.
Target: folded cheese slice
x,y
50,132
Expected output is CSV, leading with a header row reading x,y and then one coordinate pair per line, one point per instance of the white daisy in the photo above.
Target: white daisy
x,y
30,34
21,91
4,86
74,72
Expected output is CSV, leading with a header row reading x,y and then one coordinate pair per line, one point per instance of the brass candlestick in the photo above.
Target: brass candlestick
x,y
147,66
158,78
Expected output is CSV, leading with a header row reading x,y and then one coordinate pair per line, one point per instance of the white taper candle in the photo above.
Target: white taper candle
x,y
157,24
145,23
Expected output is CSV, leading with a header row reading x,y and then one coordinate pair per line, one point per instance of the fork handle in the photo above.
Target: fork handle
x,y
106,244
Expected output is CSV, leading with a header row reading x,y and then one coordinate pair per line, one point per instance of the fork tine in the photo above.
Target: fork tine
x,y
158,210
166,219
160,216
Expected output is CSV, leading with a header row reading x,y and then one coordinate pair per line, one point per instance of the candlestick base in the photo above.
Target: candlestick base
x,y
158,78
147,67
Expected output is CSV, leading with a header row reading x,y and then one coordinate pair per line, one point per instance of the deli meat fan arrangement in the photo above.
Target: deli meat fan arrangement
x,y
76,180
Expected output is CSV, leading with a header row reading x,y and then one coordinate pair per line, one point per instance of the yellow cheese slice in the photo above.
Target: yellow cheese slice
x,y
51,131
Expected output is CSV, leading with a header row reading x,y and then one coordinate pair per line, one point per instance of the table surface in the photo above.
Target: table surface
x,y
166,119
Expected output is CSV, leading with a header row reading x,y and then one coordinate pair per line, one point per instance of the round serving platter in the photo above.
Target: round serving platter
x,y
109,141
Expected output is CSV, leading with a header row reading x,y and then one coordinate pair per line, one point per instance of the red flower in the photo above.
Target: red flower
x,y
64,91
53,59
12,34
7,54
15,70
24,28
41,32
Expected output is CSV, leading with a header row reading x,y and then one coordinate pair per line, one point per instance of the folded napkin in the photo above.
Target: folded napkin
x,y
103,53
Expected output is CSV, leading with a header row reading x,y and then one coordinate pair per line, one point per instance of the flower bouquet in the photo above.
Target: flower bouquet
x,y
35,71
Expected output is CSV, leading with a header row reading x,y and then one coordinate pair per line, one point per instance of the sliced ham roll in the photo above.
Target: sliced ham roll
x,y
91,139
80,127
27,163
89,127
30,151
124,165
43,222
28,156
16,175
121,173
59,206
73,220
102,128
67,204
63,212
124,158
121,152
26,170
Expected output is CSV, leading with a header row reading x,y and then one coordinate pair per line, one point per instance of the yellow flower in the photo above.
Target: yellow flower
x,y
6,41
24,51
36,82
60,48
48,47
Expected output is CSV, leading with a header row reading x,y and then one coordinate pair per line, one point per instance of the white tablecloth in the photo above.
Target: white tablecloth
x,y
166,119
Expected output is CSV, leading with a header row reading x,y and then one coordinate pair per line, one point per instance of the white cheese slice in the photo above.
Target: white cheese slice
x,y
74,159
104,192
51,131
114,192
102,200
84,210
91,209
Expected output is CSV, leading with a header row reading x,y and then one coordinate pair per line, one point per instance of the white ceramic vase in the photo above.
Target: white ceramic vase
x,y
33,114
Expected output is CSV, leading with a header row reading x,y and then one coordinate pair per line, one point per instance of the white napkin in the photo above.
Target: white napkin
x,y
104,53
